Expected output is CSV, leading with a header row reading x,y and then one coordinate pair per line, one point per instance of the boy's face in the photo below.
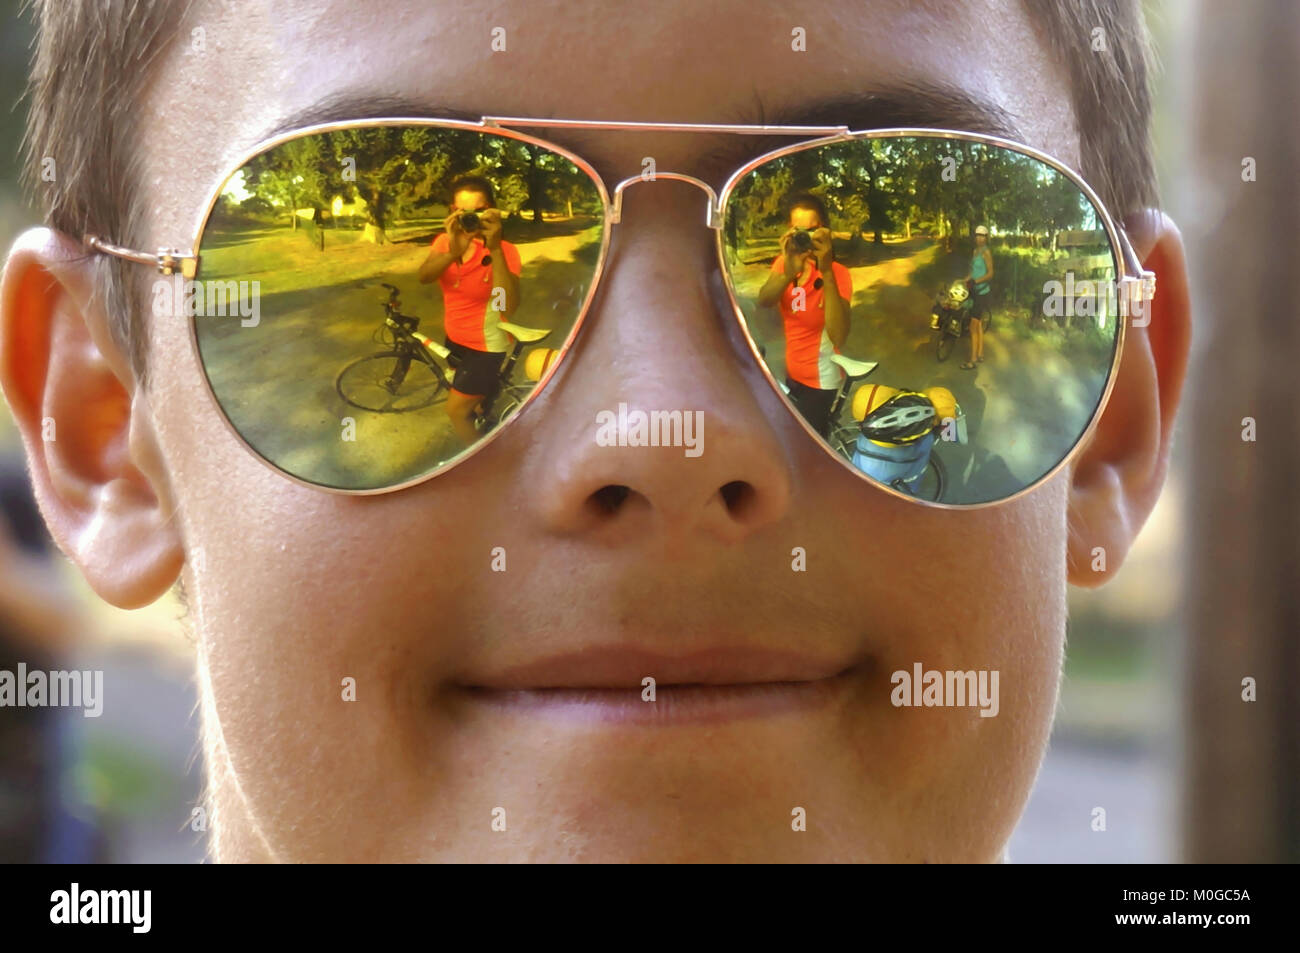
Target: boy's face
x,y
682,581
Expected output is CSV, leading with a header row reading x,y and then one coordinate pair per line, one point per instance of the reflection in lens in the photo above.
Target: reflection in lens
x,y
942,312
373,301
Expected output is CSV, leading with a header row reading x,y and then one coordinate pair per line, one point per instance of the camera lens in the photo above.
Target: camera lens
x,y
470,222
800,242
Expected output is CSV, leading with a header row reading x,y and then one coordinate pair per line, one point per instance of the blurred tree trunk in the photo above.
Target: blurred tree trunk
x,y
1242,759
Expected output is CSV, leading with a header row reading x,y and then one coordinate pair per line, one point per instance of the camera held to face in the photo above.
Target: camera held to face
x,y
470,222
800,242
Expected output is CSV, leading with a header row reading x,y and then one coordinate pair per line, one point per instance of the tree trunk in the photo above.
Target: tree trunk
x,y
534,186
1242,758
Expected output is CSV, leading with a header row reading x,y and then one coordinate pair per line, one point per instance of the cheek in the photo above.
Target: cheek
x,y
293,591
997,604
978,592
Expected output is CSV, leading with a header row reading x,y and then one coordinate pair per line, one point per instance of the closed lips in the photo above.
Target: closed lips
x,y
625,668
611,685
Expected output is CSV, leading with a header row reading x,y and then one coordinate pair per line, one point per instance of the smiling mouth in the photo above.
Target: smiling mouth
x,y
627,687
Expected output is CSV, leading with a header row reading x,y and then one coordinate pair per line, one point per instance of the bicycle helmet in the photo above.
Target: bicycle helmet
x,y
903,418
957,294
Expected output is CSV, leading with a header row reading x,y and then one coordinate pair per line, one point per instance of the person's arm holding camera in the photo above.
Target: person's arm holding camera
x,y
776,282
457,241
502,276
835,307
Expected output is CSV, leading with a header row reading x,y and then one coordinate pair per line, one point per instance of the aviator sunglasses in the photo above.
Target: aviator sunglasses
x,y
350,283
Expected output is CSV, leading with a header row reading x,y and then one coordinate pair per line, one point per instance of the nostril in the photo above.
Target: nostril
x,y
609,498
737,495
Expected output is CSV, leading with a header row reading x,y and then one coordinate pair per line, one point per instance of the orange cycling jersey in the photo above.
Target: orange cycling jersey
x,y
808,348
468,317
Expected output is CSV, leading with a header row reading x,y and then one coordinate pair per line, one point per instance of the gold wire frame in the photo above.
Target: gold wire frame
x,y
1133,283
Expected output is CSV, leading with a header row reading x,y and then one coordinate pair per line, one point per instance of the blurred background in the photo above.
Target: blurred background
x,y
1152,725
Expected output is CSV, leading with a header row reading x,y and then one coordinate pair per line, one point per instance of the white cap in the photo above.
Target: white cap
x,y
981,230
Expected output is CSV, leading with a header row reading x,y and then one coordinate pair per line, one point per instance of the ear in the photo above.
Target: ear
x,y
1118,476
94,461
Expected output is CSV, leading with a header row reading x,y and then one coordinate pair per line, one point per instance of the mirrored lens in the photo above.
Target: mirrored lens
x,y
943,312
373,302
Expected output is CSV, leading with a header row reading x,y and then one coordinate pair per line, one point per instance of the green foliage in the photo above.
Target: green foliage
x,y
945,187
404,173
119,779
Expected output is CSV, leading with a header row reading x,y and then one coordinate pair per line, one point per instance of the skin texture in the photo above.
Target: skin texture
x,y
300,589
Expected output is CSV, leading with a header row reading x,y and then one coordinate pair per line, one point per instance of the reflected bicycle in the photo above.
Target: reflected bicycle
x,y
413,371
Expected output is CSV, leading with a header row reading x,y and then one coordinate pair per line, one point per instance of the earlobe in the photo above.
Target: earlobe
x,y
1117,477
89,440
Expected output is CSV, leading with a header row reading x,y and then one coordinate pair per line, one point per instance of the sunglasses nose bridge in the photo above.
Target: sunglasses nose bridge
x,y
712,215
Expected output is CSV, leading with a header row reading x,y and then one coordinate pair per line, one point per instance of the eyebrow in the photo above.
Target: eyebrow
x,y
907,105
346,106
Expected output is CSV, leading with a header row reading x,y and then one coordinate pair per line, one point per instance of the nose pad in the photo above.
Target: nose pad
x,y
712,214
717,285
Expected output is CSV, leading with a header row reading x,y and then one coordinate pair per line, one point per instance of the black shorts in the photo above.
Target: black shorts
x,y
478,373
814,403
980,306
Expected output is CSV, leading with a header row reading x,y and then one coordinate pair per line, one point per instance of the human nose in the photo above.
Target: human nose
x,y
660,340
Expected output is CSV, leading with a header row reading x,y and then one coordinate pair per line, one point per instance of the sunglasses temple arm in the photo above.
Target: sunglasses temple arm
x,y
1139,284
168,261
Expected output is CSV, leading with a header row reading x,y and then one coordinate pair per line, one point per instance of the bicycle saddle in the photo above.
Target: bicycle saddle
x,y
521,333
854,368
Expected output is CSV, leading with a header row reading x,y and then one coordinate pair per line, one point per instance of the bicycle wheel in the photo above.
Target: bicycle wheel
x,y
943,346
366,384
930,484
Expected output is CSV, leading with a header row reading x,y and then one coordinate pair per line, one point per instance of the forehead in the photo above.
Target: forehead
x,y
972,64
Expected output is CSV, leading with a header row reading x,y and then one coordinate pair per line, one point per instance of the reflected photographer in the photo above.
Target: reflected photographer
x,y
478,272
814,312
